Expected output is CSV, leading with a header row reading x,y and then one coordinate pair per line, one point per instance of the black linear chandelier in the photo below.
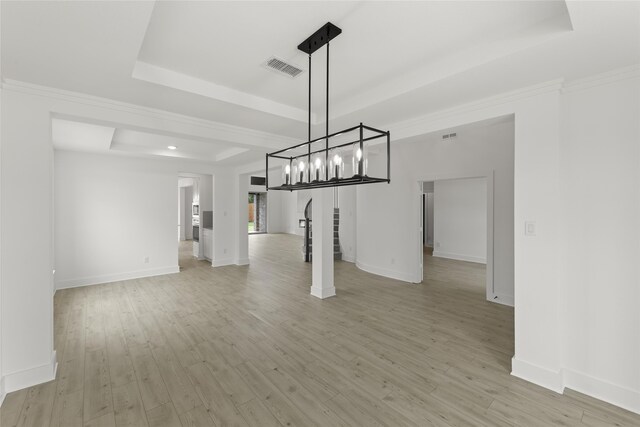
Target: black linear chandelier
x,y
332,160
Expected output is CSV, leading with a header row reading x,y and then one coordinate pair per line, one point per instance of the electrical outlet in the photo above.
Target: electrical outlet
x,y
146,260
529,228
393,261
437,244
225,250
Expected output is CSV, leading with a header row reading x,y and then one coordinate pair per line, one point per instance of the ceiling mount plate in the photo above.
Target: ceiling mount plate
x,y
318,39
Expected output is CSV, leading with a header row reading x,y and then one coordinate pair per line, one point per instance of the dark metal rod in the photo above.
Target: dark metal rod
x,y
389,156
373,129
361,161
280,157
309,124
306,239
332,147
266,173
325,184
351,129
326,156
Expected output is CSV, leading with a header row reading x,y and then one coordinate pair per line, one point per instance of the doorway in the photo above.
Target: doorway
x,y
456,231
257,205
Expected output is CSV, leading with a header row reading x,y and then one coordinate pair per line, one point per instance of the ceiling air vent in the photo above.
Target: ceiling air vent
x,y
283,67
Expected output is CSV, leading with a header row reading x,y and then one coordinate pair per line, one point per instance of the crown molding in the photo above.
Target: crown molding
x,y
261,139
608,77
172,79
482,104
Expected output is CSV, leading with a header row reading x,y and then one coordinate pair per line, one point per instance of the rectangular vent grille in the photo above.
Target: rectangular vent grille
x,y
281,66
258,180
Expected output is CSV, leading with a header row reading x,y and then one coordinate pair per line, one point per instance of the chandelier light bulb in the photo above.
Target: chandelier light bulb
x,y
287,175
301,172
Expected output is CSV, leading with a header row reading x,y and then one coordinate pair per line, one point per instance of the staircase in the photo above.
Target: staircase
x,y
307,246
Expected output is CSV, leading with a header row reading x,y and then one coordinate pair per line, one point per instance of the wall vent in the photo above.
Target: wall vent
x,y
283,67
258,180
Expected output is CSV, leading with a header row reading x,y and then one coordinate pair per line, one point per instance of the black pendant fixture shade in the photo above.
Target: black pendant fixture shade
x,y
332,160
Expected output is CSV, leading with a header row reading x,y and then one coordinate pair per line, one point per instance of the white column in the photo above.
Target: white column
x,y
322,241
224,214
241,232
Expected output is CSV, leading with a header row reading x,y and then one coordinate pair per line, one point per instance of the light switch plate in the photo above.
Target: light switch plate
x,y
529,228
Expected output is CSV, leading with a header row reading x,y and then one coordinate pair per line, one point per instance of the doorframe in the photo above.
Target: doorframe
x,y
489,175
256,196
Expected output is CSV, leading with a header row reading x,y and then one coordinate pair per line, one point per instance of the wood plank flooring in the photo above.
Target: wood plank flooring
x,y
248,346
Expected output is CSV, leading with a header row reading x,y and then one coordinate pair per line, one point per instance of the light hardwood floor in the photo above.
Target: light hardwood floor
x,y
248,346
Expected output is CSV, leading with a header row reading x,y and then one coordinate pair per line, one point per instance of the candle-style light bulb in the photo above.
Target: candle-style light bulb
x,y
337,162
287,174
301,169
318,163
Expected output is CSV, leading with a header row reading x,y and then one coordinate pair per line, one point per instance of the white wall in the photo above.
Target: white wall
x,y
290,214
577,322
112,214
429,229
205,192
26,217
388,217
26,245
181,214
2,392
600,177
188,212
460,219
293,204
427,206
348,227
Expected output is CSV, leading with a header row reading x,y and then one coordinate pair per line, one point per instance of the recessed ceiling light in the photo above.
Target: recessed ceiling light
x,y
172,147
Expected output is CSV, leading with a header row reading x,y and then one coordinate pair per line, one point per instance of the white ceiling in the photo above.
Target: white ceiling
x,y
393,61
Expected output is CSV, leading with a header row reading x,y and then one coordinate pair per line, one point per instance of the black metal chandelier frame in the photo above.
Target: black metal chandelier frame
x,y
314,42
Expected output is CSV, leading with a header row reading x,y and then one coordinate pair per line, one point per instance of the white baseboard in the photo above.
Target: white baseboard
x,y
538,375
603,390
565,378
222,262
502,299
32,376
348,258
117,277
241,261
323,293
380,271
459,257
